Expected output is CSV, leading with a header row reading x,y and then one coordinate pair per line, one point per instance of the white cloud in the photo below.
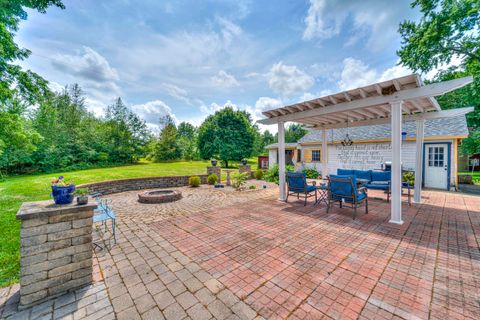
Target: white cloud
x,y
225,79
285,79
152,111
214,107
88,64
356,73
267,103
377,21
176,92
92,71
317,26
264,104
55,86
95,106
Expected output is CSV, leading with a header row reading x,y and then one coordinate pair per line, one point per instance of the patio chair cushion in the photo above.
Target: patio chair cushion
x,y
378,185
345,190
381,176
297,181
363,174
345,172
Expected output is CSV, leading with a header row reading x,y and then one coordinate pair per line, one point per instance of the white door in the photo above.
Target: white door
x,y
436,166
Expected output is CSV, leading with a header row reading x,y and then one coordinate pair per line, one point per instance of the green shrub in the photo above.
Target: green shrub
x,y
212,179
194,181
239,180
252,187
311,173
258,174
409,177
272,173
81,191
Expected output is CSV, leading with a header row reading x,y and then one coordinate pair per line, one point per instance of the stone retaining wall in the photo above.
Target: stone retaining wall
x,y
116,186
55,249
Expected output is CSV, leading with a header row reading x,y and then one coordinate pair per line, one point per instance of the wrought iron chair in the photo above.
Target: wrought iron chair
x,y
344,189
103,213
297,184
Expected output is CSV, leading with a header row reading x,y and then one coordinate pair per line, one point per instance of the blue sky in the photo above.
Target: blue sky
x,y
190,58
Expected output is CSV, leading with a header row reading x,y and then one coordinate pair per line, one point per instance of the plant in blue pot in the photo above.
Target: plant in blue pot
x,y
62,191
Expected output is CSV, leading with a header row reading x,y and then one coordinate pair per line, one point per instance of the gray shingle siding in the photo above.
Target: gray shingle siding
x,y
454,126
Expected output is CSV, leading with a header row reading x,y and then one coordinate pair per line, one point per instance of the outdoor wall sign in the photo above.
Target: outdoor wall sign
x,y
363,155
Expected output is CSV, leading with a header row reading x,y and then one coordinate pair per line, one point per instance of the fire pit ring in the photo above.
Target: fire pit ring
x,y
159,196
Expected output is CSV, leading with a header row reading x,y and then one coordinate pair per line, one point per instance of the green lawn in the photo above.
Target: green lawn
x,y
475,175
14,190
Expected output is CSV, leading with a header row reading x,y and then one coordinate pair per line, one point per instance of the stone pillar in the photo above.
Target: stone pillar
x,y
217,170
245,168
55,249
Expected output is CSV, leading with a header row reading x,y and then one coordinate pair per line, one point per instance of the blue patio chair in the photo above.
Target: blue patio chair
x,y
103,213
343,188
297,184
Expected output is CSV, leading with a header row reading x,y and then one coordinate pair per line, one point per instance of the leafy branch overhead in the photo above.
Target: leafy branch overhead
x,y
447,30
13,79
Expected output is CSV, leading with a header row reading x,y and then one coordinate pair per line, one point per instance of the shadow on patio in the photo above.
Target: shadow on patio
x,y
287,260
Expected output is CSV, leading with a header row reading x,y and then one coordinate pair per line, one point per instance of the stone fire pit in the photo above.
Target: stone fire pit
x,y
159,196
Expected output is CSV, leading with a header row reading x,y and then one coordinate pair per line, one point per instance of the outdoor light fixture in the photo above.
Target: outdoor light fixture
x,y
347,141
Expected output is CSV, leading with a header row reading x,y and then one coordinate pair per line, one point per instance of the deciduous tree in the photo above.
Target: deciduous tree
x,y
228,135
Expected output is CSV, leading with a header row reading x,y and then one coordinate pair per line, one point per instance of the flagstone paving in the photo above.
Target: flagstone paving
x,y
219,254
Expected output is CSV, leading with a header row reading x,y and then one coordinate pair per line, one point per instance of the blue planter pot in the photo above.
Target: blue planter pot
x,y
63,195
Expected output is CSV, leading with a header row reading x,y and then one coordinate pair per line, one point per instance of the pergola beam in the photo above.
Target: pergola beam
x,y
431,90
413,117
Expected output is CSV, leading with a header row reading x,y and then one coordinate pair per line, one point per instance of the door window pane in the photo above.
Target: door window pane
x,y
436,156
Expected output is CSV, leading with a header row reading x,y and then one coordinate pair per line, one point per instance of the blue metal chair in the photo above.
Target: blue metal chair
x,y
297,184
103,213
344,189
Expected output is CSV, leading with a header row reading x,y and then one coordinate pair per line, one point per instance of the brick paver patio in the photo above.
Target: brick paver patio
x,y
227,255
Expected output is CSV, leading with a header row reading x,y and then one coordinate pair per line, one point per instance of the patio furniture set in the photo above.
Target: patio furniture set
x,y
347,186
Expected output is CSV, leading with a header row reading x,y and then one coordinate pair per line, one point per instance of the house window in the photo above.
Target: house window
x,y
316,155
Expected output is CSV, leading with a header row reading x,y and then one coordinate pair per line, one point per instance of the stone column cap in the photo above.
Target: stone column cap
x,y
47,208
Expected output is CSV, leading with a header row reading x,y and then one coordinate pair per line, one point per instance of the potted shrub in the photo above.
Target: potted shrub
x,y
62,191
82,196
244,161
214,162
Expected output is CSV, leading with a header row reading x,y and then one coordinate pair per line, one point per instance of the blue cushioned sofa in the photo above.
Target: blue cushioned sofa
x,y
378,180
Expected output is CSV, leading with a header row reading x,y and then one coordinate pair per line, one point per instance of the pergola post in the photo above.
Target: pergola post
x,y
324,154
396,183
417,195
281,162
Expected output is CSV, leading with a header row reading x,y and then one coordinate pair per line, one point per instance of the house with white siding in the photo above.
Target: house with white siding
x,y
371,149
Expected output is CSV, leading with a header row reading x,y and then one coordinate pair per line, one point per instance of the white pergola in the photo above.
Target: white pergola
x,y
393,101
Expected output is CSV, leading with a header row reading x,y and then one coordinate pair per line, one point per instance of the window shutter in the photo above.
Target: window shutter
x,y
307,154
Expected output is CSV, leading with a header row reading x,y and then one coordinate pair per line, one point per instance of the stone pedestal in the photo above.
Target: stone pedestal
x,y
55,249
217,170
245,168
